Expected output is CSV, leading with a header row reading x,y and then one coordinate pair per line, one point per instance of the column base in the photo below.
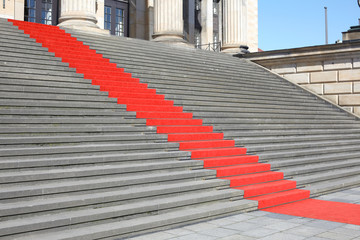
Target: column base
x,y
175,40
235,49
81,22
86,29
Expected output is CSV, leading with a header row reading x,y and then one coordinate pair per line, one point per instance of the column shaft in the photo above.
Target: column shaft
x,y
78,14
168,20
234,24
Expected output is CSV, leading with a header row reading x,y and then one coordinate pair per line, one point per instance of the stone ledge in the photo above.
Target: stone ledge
x,y
306,54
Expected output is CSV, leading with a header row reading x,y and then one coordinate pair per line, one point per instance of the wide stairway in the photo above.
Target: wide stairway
x,y
90,151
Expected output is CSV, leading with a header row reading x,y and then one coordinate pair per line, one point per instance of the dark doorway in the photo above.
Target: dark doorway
x,y
116,14
41,11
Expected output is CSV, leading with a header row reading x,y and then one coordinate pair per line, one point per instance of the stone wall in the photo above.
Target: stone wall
x,y
332,71
14,9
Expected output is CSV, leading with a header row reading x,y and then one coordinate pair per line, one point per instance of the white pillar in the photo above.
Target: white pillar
x,y
168,21
80,14
234,25
207,22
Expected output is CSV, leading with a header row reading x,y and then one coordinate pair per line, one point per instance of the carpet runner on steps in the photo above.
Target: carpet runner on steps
x,y
243,171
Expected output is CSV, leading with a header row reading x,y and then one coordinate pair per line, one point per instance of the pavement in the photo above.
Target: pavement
x,y
267,226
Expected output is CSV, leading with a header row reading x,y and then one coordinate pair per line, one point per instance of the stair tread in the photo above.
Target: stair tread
x,y
113,229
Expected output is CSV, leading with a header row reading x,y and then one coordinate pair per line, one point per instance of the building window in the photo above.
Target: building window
x,y
46,12
120,20
30,11
116,17
107,18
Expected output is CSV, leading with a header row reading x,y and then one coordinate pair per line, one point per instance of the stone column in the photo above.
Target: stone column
x,y
168,21
79,14
234,25
207,22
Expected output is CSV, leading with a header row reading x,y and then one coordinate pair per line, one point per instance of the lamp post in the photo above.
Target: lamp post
x,y
326,26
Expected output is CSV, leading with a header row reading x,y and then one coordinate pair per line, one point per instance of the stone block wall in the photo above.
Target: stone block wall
x,y
332,71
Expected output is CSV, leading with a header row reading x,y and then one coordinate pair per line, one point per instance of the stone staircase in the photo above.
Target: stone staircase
x,y
311,141
72,158
76,164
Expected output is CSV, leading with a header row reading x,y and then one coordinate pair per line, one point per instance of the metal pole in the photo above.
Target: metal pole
x,y
326,27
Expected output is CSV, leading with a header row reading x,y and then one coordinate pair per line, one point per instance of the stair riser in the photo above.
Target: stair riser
x,y
108,216
91,186
83,174
242,170
107,200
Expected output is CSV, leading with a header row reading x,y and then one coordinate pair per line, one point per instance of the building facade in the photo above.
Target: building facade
x,y
221,25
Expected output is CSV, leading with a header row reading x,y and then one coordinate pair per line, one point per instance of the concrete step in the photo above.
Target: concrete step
x,y
315,168
14,58
25,52
188,58
209,88
35,55
41,162
49,73
156,49
151,223
5,95
198,74
248,98
207,116
12,63
272,147
306,152
40,131
106,214
308,179
59,104
258,133
274,120
267,104
256,108
14,36
9,45
86,148
48,112
101,183
294,139
203,57
333,185
321,158
23,141
42,77
83,172
25,86
216,93
105,199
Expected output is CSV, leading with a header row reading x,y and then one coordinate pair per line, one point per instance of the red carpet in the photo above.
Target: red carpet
x,y
243,171
320,209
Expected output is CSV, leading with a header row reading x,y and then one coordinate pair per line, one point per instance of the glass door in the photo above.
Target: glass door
x,y
116,17
41,11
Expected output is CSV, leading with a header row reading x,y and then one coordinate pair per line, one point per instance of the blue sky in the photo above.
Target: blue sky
x,y
289,23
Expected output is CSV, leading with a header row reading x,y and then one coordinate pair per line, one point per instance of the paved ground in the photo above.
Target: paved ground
x,y
266,226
